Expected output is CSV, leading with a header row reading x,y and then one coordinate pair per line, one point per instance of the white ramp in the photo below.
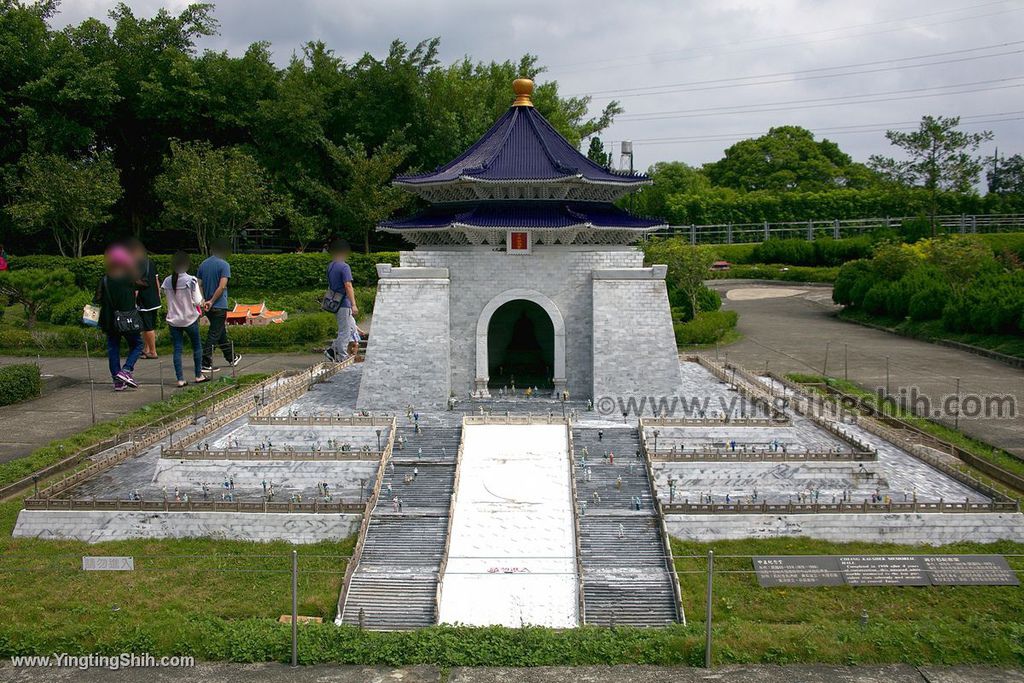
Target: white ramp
x,y
512,554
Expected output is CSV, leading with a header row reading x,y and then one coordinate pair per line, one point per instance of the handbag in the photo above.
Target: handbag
x,y
332,301
91,315
128,322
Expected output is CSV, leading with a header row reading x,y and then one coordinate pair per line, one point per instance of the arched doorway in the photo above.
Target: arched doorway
x,y
520,334
520,346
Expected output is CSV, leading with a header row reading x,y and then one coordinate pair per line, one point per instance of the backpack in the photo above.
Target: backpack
x,y
3,264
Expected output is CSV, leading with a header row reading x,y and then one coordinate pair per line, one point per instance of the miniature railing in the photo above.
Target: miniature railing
x,y
874,425
753,392
515,420
319,420
659,510
321,372
217,416
745,233
687,508
753,386
189,505
371,502
443,566
267,454
717,421
577,527
726,455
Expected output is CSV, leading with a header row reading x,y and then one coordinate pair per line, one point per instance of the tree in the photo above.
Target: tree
x,y
688,267
786,159
370,197
1006,176
596,153
939,157
34,288
68,196
213,192
670,178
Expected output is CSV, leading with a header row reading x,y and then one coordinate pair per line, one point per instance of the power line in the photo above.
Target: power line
x,y
896,95
714,84
644,59
686,141
833,130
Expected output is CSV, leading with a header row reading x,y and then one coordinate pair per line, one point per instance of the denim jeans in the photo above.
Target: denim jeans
x,y
114,352
217,336
178,341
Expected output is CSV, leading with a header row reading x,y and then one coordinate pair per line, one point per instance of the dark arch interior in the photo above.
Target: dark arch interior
x,y
521,346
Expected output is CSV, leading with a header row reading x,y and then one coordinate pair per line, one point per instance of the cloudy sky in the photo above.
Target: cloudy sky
x,y
694,76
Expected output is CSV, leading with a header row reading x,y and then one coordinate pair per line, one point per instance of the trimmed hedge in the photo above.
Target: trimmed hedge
x,y
266,272
707,328
19,383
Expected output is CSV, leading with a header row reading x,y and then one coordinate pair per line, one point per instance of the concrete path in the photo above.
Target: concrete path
x,y
65,408
257,673
792,328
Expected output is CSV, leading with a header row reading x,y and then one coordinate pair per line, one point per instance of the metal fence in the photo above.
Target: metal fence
x,y
749,233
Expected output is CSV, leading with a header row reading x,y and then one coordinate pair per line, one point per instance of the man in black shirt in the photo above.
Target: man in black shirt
x,y
148,296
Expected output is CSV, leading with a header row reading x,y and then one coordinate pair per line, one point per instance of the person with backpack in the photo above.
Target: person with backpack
x,y
119,315
184,295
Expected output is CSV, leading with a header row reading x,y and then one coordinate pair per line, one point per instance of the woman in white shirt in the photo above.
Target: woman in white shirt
x,y
184,295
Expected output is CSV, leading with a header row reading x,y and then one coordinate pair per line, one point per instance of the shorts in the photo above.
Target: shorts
x,y
148,320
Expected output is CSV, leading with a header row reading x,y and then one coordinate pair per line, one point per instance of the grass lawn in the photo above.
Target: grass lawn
x,y
942,624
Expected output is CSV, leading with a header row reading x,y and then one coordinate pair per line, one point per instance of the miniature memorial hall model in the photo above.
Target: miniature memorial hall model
x,y
523,274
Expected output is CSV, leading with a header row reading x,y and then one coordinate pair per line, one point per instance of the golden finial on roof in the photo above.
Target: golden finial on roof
x,y
523,88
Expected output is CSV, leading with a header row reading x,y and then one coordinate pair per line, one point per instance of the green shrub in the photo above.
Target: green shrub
x,y
706,328
11,338
69,311
311,328
263,272
853,281
927,303
832,252
797,252
19,383
876,299
707,300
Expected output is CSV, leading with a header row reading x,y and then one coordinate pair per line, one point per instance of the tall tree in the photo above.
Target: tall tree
x,y
670,178
939,156
370,197
1006,175
688,267
787,158
213,192
596,153
68,196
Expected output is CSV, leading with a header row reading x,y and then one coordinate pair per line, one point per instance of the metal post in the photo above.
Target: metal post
x,y
92,386
824,367
887,392
234,366
161,365
956,417
295,608
846,362
707,611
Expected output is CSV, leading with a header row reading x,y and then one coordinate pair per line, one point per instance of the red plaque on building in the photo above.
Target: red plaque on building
x,y
518,242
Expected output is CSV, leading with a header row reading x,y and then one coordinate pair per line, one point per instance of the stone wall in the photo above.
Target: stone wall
x,y
95,526
905,528
634,347
407,359
559,273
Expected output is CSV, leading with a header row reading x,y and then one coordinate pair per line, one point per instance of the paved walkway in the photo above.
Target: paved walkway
x,y
792,328
65,407
257,673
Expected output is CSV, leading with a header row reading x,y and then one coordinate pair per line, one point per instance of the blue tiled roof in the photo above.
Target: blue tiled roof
x,y
538,215
522,145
